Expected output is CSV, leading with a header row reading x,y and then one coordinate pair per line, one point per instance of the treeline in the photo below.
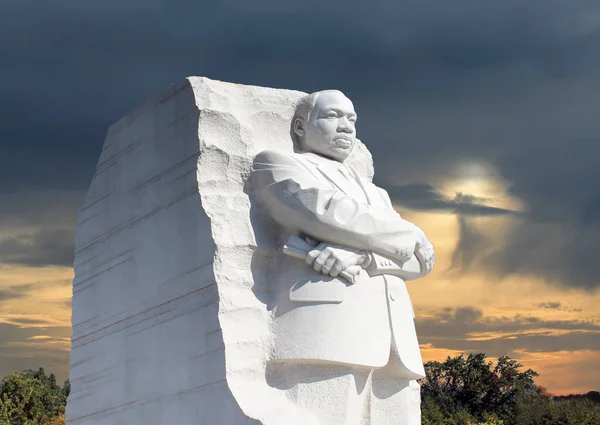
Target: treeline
x,y
475,391
460,391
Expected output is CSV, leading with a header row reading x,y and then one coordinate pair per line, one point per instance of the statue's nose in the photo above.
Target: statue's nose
x,y
345,126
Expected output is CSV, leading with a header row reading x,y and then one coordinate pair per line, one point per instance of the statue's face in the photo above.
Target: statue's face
x,y
330,130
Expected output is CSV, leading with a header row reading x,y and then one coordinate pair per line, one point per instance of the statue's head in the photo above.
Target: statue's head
x,y
325,124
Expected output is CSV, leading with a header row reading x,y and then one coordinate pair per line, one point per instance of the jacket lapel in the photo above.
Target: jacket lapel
x,y
374,195
366,187
330,173
333,175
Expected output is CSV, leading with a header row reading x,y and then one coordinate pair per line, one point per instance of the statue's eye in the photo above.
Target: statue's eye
x,y
331,114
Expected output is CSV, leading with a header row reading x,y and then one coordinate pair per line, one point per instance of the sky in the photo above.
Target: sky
x,y
483,119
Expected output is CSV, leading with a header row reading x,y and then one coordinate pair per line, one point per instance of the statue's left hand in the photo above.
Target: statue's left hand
x,y
425,253
330,259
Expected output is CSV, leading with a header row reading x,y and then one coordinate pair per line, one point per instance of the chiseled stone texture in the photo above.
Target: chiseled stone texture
x,y
170,305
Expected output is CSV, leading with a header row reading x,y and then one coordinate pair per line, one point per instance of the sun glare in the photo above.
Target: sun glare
x,y
482,180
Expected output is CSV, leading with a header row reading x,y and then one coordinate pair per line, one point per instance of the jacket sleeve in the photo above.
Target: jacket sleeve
x,y
299,201
380,265
413,269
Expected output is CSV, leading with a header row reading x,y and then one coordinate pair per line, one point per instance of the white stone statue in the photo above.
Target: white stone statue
x,y
224,276
340,300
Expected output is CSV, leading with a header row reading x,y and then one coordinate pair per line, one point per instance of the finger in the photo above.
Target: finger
x,y
328,264
320,260
313,254
337,268
423,254
419,255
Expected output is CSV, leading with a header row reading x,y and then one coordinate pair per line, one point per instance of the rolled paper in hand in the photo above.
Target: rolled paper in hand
x,y
299,248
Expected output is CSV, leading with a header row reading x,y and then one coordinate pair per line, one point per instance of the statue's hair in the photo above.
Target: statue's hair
x,y
303,109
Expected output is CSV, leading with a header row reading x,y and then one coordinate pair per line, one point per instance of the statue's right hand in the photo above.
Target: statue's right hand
x,y
331,260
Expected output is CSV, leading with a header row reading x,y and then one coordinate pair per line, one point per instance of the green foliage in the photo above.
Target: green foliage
x,y
543,409
474,386
489,419
474,391
32,398
431,414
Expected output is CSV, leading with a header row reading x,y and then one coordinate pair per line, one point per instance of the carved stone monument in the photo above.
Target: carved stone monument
x,y
235,265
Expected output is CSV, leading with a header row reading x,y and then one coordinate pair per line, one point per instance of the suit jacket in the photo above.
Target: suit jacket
x,y
327,319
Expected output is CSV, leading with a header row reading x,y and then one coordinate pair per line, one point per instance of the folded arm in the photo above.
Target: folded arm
x,y
299,201
418,266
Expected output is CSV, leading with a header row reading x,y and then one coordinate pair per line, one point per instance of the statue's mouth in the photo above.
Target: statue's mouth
x,y
343,142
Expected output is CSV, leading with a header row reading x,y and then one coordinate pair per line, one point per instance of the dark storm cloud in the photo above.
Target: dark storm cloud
x,y
455,329
547,343
463,322
24,207
42,248
470,243
14,292
565,254
424,197
36,227
512,82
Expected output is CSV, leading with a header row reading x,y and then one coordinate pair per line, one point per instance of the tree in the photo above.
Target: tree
x,y
31,398
474,386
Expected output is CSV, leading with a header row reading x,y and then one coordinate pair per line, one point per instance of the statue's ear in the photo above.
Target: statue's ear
x,y
299,127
